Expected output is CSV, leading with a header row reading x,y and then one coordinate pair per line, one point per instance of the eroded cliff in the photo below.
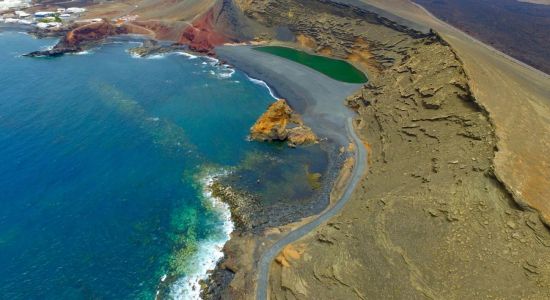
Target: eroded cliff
x,y
430,219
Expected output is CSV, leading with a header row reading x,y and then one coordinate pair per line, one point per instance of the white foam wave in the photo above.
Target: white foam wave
x,y
47,48
222,71
133,54
228,73
155,56
210,251
189,55
264,84
163,55
212,60
85,52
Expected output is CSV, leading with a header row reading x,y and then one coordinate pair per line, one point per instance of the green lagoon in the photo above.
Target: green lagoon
x,y
334,68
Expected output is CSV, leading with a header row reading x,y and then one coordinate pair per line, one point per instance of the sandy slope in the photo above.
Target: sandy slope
x,y
168,19
166,10
518,99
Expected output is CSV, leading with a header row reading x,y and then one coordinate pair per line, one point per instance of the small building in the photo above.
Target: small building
x,y
42,25
43,14
22,14
75,10
49,19
61,10
64,16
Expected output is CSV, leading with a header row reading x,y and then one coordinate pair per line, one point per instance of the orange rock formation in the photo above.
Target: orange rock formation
x,y
280,123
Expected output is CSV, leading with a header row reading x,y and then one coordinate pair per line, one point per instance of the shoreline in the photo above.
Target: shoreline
x,y
335,171
358,169
320,101
309,93
302,98
189,286
205,260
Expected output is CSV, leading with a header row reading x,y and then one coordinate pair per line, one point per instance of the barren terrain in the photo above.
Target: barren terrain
x,y
459,136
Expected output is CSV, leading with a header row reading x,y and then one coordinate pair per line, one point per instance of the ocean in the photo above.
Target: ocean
x,y
105,161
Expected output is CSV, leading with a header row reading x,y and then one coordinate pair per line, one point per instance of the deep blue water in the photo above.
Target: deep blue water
x,y
101,157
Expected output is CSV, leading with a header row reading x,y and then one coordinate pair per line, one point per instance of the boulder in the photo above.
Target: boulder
x,y
281,123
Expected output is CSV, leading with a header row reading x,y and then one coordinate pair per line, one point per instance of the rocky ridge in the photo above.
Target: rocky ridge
x,y
430,214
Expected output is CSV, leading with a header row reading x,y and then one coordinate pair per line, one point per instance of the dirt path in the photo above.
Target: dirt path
x,y
320,101
358,171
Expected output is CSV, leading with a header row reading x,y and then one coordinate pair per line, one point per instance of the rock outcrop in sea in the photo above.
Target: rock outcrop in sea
x,y
80,38
281,123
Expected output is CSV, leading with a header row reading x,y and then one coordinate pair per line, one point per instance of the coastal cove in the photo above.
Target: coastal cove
x,y
272,149
107,162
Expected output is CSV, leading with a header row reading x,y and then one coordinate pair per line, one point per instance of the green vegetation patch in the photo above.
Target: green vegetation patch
x,y
334,68
54,18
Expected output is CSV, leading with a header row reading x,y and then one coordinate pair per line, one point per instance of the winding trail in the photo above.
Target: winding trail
x,y
319,99
269,255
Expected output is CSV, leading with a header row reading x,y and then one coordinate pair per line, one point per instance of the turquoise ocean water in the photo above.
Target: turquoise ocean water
x,y
103,162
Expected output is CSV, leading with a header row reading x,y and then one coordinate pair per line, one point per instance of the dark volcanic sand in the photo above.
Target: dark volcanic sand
x,y
519,29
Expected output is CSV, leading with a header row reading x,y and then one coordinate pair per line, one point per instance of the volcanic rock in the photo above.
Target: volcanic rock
x,y
281,123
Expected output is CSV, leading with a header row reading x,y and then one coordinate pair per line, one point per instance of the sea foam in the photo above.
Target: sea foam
x,y
163,55
210,251
264,84
188,55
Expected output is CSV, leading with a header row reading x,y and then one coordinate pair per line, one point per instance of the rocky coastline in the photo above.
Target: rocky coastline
x,y
76,37
257,225
431,152
418,102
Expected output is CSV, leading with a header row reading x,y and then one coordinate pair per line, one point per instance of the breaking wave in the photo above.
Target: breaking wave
x,y
264,84
210,251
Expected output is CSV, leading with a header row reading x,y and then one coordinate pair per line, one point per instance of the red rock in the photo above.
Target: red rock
x,y
201,35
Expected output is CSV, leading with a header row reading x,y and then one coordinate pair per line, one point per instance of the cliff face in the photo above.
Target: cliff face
x,y
222,23
90,32
280,123
201,35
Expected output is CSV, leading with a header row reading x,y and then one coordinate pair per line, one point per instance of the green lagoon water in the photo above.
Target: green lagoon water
x,y
104,160
336,69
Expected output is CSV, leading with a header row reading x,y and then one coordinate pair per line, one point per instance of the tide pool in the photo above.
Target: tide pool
x,y
104,159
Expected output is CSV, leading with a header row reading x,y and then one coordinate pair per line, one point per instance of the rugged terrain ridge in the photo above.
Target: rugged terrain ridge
x,y
430,219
